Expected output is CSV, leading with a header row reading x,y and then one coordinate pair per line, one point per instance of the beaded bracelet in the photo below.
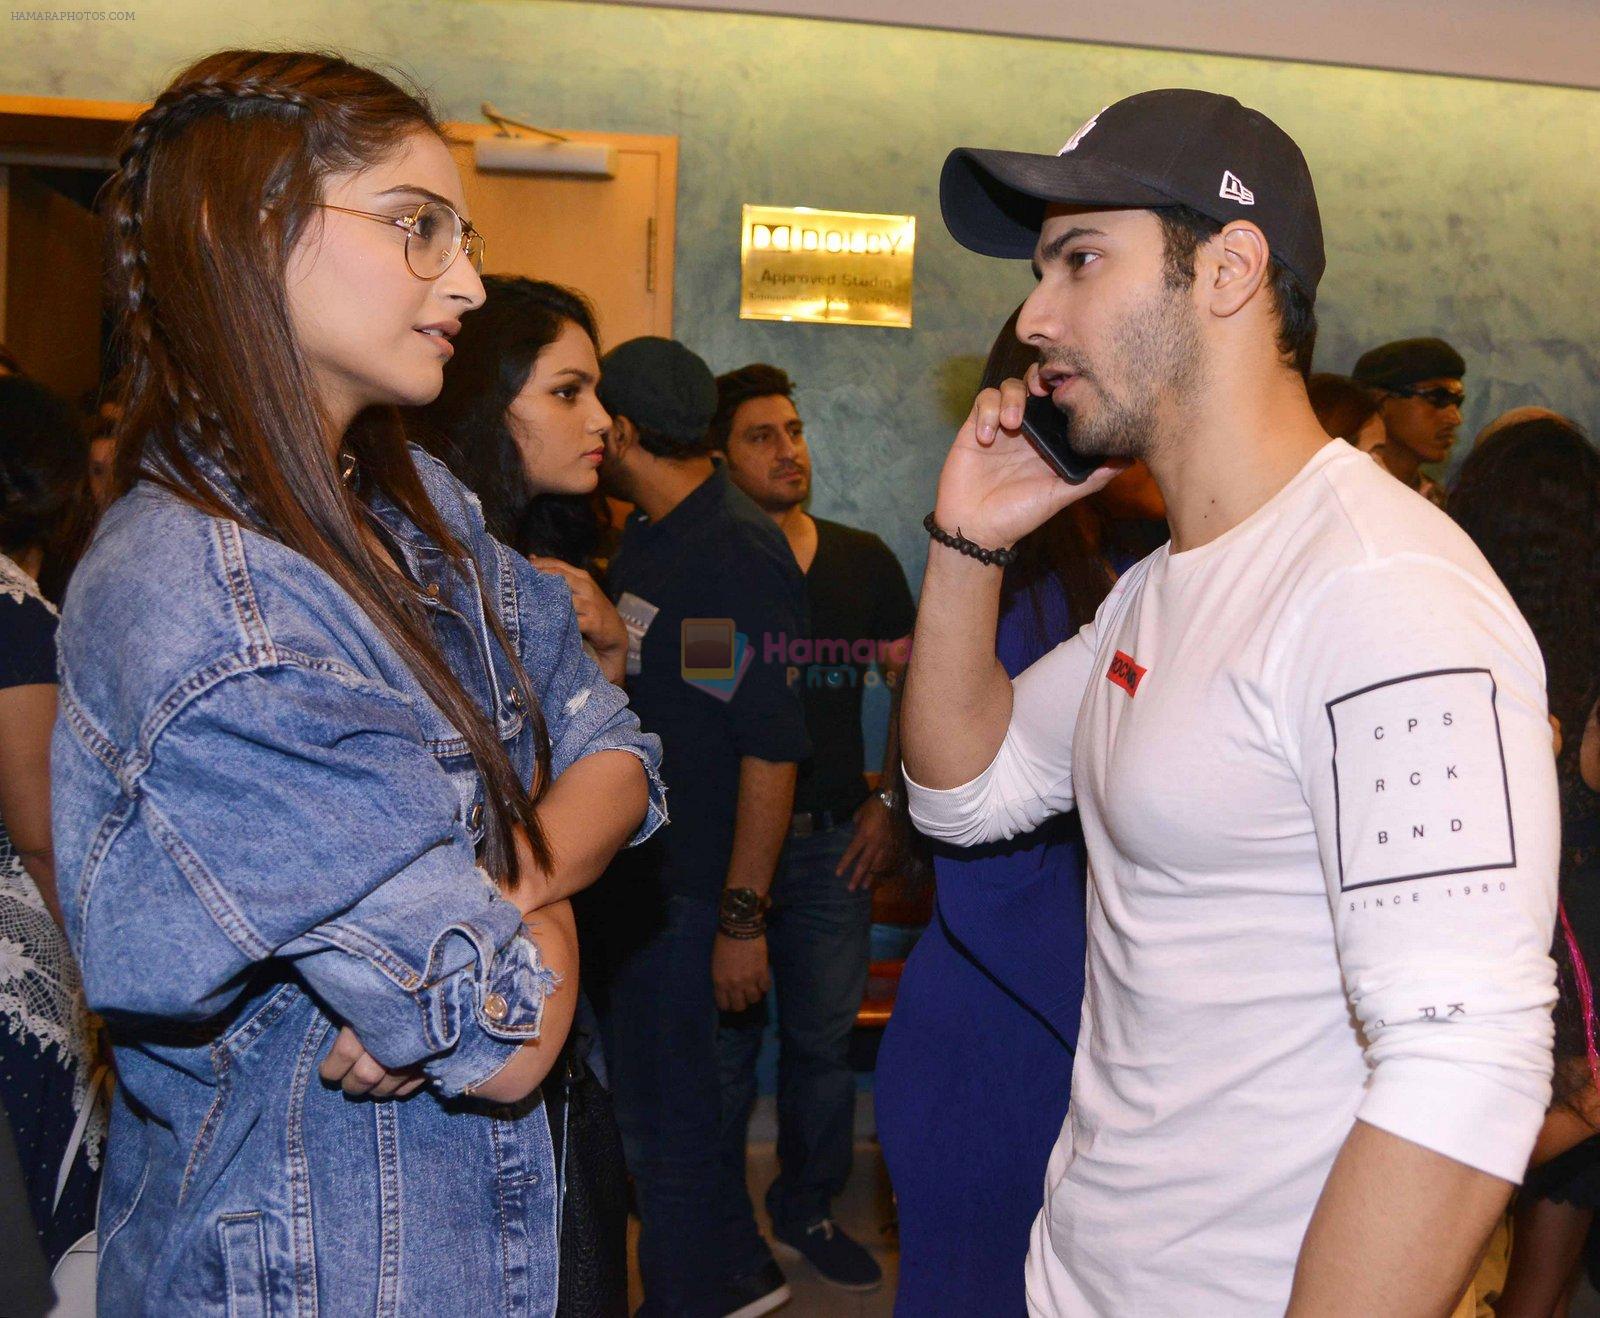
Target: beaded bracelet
x,y
960,543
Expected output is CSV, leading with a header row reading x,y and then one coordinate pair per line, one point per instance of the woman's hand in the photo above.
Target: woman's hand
x,y
598,620
359,1074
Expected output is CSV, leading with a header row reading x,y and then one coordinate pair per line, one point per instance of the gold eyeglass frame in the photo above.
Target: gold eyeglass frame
x,y
471,241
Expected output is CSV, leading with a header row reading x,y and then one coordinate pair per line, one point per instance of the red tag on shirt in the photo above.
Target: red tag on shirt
x,y
1125,673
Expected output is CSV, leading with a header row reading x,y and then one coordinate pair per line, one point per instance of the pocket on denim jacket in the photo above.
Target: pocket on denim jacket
x,y
244,1264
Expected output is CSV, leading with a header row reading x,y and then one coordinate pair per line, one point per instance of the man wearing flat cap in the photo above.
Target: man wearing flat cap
x,y
703,579
1320,816
1419,383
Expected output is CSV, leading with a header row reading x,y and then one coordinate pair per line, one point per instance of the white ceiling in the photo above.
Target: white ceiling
x,y
1546,41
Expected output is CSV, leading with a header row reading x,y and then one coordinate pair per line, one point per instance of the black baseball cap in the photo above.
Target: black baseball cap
x,y
1174,147
661,385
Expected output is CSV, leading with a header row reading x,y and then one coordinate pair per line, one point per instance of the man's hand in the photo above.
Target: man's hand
x,y
876,846
354,1070
994,488
598,620
739,972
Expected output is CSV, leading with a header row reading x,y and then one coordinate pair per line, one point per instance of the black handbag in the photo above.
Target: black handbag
x,y
593,1218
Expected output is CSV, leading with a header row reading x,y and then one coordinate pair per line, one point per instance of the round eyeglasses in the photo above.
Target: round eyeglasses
x,y
435,235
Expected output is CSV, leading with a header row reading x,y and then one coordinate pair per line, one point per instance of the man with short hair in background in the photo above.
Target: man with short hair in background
x,y
1419,382
702,579
843,836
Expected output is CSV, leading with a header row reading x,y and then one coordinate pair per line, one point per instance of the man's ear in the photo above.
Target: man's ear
x,y
621,438
1243,261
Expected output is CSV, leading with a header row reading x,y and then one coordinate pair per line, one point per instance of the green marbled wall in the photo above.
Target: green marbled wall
x,y
1451,206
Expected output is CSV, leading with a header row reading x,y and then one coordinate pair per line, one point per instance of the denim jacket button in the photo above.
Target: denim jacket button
x,y
495,1007
432,591
475,815
515,697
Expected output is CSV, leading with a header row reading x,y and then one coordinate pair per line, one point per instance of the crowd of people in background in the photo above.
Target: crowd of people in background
x,y
647,497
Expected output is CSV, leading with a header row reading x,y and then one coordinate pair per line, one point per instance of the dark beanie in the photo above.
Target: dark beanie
x,y
1407,362
660,386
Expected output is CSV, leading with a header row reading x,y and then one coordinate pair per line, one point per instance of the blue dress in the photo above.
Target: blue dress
x,y
975,1068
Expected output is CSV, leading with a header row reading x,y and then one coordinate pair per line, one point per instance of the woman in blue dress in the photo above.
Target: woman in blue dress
x,y
975,1068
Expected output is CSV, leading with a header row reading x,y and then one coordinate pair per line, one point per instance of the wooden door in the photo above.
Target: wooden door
x,y
611,239
51,254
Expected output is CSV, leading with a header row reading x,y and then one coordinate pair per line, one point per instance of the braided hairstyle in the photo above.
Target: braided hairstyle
x,y
216,184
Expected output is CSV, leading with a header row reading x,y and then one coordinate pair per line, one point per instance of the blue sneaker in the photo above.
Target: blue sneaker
x,y
839,1260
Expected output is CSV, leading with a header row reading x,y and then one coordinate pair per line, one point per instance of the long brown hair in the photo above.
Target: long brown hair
x,y
215,185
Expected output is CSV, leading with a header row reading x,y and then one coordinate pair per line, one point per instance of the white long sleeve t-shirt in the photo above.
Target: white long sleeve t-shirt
x,y
1314,769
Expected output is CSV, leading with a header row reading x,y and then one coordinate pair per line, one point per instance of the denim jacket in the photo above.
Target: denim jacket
x,y
264,828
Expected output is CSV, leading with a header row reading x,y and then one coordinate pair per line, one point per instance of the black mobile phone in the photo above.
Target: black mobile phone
x,y
1047,427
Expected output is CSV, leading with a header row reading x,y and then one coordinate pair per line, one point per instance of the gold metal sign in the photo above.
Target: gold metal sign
x,y
831,267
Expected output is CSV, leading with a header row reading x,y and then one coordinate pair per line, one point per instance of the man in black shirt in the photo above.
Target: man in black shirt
x,y
842,837
702,580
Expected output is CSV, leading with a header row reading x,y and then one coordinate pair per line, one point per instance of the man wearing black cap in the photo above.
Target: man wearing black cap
x,y
702,579
1316,1036
1419,381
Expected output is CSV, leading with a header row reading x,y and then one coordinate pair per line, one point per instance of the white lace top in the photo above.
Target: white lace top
x,y
41,997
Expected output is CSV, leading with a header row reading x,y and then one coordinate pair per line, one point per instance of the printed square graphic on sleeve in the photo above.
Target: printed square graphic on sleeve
x,y
1419,773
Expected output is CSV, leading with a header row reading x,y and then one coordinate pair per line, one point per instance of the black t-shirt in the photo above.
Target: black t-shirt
x,y
27,641
27,646
859,603
710,690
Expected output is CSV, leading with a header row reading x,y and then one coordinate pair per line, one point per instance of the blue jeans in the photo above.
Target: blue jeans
x,y
661,1027
818,936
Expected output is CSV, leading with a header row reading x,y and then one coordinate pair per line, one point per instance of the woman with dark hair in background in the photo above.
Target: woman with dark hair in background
x,y
1347,411
519,424
975,1068
1530,499
320,738
47,1047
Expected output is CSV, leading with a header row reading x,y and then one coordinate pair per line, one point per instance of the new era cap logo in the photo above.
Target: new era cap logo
x,y
1125,673
1233,190
1072,142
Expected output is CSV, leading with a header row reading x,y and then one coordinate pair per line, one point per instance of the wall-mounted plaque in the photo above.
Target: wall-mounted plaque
x,y
833,267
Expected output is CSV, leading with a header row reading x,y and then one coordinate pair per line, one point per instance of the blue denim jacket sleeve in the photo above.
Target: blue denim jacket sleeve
x,y
583,712
301,815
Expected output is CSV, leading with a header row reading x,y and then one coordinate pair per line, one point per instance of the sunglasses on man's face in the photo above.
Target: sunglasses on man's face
x,y
1439,396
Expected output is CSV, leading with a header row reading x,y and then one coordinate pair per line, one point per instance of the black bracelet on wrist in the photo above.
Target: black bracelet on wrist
x,y
743,932
960,543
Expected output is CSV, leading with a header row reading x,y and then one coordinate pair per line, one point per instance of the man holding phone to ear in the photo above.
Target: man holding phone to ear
x,y
1316,1035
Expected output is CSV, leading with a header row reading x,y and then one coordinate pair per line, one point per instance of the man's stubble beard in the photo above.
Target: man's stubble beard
x,y
1156,351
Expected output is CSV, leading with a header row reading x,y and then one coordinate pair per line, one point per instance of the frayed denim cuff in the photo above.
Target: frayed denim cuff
x,y
486,996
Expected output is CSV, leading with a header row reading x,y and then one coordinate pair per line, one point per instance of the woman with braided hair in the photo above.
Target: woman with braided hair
x,y
330,760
